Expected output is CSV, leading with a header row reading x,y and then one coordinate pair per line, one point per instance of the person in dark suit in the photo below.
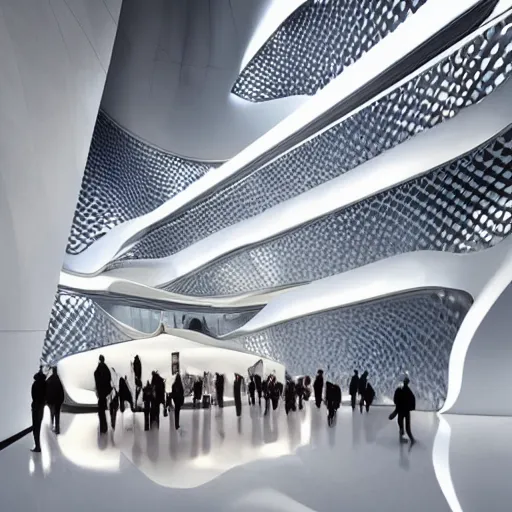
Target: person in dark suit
x,y
178,397
219,389
369,396
257,381
198,391
147,398
113,407
405,402
38,400
137,371
102,380
362,389
158,384
252,391
353,388
54,398
299,390
318,387
237,393
125,395
290,394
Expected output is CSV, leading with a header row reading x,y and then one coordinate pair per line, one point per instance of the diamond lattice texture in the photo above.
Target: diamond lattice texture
x,y
316,43
461,207
460,80
411,332
124,178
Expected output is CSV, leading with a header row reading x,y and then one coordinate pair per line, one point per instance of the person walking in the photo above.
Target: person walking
x,y
198,391
257,381
113,407
178,397
290,394
103,385
252,391
147,398
54,398
158,384
137,371
237,393
219,389
125,395
38,393
362,389
405,402
318,387
369,396
353,388
299,390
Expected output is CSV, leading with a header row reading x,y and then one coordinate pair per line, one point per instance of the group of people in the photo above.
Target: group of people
x,y
153,396
113,394
46,392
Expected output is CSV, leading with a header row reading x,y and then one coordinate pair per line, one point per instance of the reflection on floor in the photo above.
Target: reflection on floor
x,y
276,463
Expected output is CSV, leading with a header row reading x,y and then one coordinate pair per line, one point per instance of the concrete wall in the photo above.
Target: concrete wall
x,y
54,57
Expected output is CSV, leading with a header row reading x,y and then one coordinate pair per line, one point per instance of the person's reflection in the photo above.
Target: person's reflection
x,y
136,448
219,420
403,461
293,431
256,437
207,431
173,438
372,424
356,429
332,433
317,425
102,442
194,449
153,444
268,430
239,425
36,466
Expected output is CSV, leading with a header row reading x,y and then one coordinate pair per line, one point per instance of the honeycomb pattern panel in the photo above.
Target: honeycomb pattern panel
x,y
410,332
77,324
124,178
316,43
460,80
461,207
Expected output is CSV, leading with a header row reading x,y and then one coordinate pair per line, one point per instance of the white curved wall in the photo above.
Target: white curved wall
x,y
173,67
53,61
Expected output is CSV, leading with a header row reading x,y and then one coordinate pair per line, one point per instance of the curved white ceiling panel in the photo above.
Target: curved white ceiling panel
x,y
430,149
408,36
412,271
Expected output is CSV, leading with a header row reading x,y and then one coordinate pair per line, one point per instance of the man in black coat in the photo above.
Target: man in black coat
x,y
158,384
125,395
102,380
38,401
290,403
318,387
237,393
198,391
257,381
178,397
137,371
147,399
299,391
362,389
405,402
54,398
252,391
369,395
219,389
353,388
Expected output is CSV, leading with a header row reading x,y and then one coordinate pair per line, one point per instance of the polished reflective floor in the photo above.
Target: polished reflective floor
x,y
276,463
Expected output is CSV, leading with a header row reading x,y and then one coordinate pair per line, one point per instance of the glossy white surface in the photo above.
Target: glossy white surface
x,y
172,71
469,129
196,351
53,60
431,18
276,464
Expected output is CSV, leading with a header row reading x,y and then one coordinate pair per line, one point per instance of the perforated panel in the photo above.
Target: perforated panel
x,y
411,332
461,207
316,43
124,178
461,80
